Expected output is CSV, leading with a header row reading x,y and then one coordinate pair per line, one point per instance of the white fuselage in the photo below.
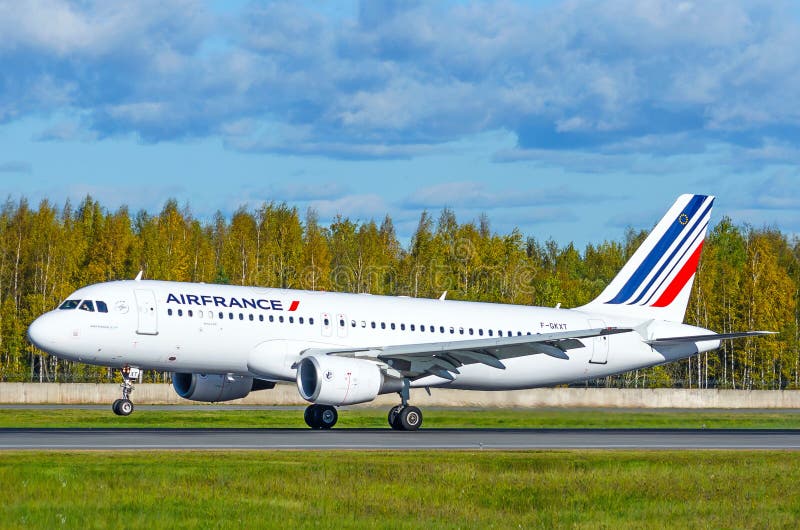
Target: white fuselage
x,y
259,332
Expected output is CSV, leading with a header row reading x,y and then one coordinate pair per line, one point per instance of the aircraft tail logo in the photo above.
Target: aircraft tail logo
x,y
657,281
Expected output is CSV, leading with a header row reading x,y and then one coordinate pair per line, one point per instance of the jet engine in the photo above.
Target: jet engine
x,y
215,387
330,380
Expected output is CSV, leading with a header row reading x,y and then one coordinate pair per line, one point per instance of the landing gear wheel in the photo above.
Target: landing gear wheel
x,y
410,418
327,417
125,407
309,416
320,416
394,412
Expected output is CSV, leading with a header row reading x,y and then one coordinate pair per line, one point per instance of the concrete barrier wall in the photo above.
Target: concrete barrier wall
x,y
73,393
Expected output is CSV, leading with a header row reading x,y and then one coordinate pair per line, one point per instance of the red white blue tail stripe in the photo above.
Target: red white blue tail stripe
x,y
661,271
677,250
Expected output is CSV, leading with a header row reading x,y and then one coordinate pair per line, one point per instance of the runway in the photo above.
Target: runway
x,y
377,439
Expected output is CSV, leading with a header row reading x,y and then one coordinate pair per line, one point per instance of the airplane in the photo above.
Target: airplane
x,y
222,342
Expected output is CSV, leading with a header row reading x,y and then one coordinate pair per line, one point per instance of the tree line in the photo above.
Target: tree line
x,y
748,278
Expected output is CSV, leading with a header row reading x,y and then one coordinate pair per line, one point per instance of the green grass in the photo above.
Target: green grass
x,y
709,489
434,418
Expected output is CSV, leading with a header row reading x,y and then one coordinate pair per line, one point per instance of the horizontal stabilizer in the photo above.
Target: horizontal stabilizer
x,y
702,338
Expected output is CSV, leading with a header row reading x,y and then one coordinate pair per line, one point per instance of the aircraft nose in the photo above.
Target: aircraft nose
x,y
40,334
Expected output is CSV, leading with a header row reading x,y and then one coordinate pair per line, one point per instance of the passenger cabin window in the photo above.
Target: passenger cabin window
x,y
102,307
69,304
87,305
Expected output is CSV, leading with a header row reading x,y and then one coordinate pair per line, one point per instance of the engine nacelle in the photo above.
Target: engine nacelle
x,y
211,387
330,380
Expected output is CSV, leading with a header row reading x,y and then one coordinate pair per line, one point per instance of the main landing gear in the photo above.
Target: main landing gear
x,y
124,406
404,417
321,416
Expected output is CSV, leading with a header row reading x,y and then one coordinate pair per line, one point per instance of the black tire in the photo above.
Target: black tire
x,y
327,417
115,407
393,413
311,416
125,407
410,418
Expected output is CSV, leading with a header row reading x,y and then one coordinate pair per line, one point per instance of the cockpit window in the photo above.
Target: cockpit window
x,y
102,307
87,305
69,304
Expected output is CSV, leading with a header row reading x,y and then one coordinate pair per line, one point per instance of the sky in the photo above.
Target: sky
x,y
570,120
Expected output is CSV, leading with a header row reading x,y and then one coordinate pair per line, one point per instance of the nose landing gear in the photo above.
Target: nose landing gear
x,y
124,406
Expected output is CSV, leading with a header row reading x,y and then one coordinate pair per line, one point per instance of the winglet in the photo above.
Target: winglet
x,y
138,276
444,295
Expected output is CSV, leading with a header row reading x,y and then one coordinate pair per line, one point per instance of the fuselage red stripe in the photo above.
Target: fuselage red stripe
x,y
680,280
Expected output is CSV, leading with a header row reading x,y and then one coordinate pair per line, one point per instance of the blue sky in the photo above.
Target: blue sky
x,y
567,119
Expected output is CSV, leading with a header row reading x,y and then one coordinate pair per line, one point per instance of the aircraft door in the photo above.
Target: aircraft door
x,y
148,316
341,325
599,344
327,325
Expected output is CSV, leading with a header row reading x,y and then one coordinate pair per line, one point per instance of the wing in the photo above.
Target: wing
x,y
443,359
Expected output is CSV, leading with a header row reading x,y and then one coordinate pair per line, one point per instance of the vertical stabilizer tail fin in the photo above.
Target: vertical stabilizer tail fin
x,y
657,281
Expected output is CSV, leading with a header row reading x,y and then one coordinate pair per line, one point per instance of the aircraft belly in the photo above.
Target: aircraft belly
x,y
542,370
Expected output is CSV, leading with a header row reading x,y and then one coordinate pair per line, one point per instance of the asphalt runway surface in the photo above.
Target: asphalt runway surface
x,y
376,439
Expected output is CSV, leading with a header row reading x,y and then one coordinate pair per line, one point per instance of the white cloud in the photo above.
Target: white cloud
x,y
396,80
